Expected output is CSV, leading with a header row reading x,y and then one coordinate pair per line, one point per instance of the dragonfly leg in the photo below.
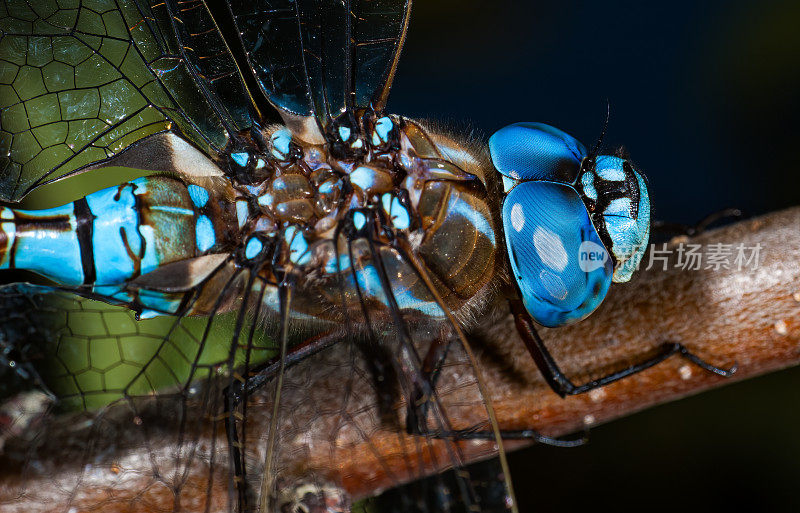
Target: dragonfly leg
x,y
241,387
418,407
563,386
417,411
667,228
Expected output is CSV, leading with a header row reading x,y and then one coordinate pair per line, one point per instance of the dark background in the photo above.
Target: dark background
x,y
706,97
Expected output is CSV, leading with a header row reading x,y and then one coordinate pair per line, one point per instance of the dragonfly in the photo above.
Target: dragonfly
x,y
285,232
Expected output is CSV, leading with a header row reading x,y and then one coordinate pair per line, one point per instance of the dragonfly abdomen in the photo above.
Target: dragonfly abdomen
x,y
117,234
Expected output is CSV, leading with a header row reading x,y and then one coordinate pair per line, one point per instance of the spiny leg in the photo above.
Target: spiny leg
x,y
235,447
402,245
410,364
563,386
238,391
432,365
663,227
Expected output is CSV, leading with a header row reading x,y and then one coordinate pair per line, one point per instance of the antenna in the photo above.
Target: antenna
x,y
593,153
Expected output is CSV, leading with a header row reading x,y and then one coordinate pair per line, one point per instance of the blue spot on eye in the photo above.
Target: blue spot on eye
x,y
198,194
281,142
253,248
359,220
382,127
204,233
241,158
344,133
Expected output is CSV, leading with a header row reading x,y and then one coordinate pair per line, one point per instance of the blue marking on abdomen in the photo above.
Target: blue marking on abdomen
x,y
115,213
48,251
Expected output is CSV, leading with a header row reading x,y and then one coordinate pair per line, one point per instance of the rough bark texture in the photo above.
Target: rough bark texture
x,y
746,316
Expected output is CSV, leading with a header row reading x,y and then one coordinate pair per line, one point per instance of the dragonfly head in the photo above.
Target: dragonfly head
x,y
573,222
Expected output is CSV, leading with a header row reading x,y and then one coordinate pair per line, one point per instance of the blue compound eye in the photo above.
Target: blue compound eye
x,y
622,211
535,151
557,258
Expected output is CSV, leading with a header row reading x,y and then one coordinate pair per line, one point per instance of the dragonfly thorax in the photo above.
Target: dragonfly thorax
x,y
314,209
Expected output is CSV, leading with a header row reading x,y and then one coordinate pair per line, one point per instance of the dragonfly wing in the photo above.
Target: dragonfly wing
x,y
322,58
81,83
374,409
135,409
146,406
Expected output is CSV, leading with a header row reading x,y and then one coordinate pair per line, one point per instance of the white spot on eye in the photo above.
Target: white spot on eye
x,y
597,395
685,371
514,175
550,249
781,327
517,217
553,284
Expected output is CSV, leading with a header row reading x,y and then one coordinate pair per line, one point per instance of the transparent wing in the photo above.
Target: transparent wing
x,y
82,81
130,412
371,407
321,58
331,388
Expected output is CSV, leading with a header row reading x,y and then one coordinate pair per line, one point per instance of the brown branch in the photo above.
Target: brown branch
x,y
750,317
